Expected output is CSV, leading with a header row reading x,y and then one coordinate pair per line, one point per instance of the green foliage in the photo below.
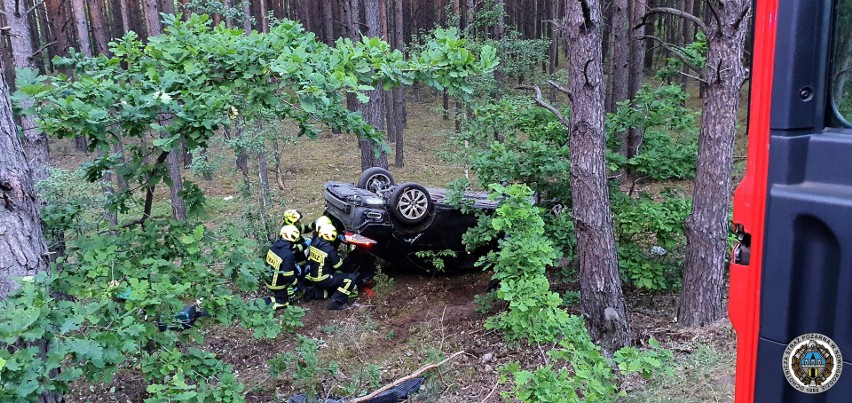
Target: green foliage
x,y
694,53
670,134
646,363
519,264
590,376
119,285
651,242
576,369
436,258
72,205
196,79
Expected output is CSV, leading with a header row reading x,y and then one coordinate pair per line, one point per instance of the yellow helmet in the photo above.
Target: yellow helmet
x,y
327,232
289,233
292,216
322,220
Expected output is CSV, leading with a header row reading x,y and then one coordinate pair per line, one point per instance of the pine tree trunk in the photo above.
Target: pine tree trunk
x,y
34,143
125,16
62,30
152,17
707,226
264,16
398,92
637,71
99,26
620,59
650,31
601,299
499,31
23,251
81,24
167,6
328,23
374,110
246,16
173,161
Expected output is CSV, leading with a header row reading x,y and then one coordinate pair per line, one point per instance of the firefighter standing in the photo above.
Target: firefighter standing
x,y
281,279
323,263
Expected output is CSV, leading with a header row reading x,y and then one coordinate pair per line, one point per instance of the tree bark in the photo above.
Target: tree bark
x,y
246,17
152,17
374,110
174,166
499,31
707,226
23,251
601,301
61,27
264,16
637,70
620,57
97,14
328,23
167,6
398,92
125,16
34,143
81,24
649,43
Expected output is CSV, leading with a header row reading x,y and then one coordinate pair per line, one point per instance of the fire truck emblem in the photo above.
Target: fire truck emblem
x,y
812,363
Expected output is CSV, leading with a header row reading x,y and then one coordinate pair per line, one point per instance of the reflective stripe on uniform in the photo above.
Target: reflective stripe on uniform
x,y
346,287
318,256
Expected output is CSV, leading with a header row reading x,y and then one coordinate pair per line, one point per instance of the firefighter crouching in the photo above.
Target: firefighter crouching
x,y
282,274
322,271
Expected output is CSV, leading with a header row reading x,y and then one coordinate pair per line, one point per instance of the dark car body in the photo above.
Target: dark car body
x,y
364,212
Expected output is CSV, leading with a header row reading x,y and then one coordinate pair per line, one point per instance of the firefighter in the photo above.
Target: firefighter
x,y
281,263
323,263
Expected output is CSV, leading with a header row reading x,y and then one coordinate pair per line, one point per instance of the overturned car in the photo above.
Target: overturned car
x,y
407,224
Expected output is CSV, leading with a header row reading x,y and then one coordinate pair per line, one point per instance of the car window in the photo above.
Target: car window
x,y
841,71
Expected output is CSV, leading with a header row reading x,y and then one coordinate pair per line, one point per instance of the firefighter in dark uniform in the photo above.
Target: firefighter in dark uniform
x,y
323,263
282,273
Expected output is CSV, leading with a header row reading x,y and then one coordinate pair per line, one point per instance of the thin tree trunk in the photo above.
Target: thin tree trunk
x,y
707,226
82,26
637,71
688,36
328,23
98,16
373,111
650,31
354,34
125,16
264,16
167,6
554,37
620,60
173,162
499,31
34,142
152,17
601,301
107,189
62,30
246,17
118,148
398,92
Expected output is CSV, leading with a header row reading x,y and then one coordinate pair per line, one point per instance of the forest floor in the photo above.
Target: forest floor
x,y
415,319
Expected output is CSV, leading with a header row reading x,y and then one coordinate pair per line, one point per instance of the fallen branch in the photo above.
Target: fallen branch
x,y
413,375
539,99
673,11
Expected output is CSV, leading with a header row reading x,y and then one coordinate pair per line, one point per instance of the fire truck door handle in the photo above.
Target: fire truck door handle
x,y
742,250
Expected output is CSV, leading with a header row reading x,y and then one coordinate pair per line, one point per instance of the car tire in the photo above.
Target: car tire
x,y
375,179
410,204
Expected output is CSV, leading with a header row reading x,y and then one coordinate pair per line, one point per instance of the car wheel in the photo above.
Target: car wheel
x,y
375,179
410,203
